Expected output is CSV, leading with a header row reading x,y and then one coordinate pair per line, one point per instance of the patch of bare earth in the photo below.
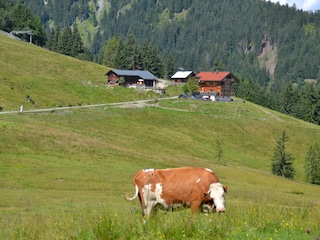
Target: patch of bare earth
x,y
273,116
268,55
193,107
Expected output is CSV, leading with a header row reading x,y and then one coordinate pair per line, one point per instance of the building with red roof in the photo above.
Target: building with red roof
x,y
218,82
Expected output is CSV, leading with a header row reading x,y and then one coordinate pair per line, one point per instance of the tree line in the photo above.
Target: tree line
x,y
126,53
68,42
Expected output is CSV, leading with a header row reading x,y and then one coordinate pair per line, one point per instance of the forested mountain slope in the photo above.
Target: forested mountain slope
x,y
254,38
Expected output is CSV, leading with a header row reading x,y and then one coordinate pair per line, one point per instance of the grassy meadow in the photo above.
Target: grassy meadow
x,y
51,79
63,174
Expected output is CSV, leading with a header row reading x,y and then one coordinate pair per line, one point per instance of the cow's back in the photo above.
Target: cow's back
x,y
185,174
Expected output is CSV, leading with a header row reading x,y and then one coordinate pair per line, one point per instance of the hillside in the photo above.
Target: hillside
x,y
62,168
50,79
75,164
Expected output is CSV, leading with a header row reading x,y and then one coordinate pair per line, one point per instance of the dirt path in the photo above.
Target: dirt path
x,y
131,104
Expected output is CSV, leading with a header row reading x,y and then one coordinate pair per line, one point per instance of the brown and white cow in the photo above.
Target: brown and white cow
x,y
187,186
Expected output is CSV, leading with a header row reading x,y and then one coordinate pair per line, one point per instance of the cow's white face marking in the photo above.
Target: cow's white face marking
x,y
151,198
198,180
217,193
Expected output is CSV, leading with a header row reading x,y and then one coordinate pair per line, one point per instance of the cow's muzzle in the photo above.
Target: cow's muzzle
x,y
220,209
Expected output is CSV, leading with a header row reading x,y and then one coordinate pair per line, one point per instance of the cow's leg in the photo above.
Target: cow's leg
x,y
147,200
148,209
195,206
142,202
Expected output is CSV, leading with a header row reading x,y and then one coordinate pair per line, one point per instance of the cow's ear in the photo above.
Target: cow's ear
x,y
225,188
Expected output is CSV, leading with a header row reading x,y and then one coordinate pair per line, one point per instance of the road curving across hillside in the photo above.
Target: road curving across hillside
x,y
136,103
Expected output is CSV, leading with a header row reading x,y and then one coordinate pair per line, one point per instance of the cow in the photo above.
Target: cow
x,y
170,188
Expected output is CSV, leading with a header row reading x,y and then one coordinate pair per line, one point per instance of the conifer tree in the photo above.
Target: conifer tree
x,y
120,59
65,42
289,100
282,162
146,56
310,103
77,45
131,52
155,64
218,65
312,165
51,45
170,66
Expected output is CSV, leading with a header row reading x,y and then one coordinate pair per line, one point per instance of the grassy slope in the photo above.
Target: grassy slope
x,y
73,161
96,152
50,79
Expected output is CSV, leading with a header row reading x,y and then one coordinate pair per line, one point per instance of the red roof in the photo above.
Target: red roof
x,y
212,76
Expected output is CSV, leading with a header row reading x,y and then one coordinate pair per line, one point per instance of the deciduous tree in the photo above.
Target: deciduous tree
x,y
191,86
110,51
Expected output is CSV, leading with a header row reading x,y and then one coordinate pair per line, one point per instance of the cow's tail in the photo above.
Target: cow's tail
x,y
134,196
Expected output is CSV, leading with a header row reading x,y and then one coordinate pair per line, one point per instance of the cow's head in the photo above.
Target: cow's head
x,y
217,193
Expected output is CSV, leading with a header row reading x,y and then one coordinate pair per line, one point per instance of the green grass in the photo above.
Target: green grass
x,y
63,173
250,221
52,80
77,164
